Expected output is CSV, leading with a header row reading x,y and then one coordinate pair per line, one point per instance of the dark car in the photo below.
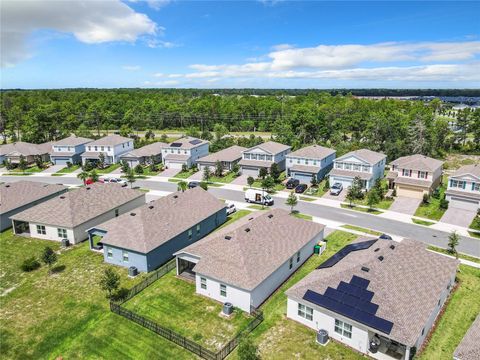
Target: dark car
x,y
292,183
193,184
300,189
385,237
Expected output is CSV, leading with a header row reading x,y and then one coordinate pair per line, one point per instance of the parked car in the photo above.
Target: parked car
x,y
292,183
231,208
193,184
336,189
385,237
89,181
113,180
300,189
258,197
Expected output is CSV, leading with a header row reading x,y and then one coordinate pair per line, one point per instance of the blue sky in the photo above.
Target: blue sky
x,y
279,44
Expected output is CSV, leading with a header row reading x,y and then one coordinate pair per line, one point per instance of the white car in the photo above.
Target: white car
x,y
231,208
114,180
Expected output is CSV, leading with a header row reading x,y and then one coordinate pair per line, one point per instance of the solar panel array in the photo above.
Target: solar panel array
x,y
345,251
195,142
175,144
352,300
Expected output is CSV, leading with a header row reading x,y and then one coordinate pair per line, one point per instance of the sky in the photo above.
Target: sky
x,y
239,44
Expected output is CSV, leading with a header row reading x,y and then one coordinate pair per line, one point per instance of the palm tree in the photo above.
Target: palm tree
x,y
83,176
182,186
94,176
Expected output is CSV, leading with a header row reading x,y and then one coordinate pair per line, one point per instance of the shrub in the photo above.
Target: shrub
x,y
204,185
30,264
443,204
139,169
436,194
247,350
184,168
394,192
425,199
69,164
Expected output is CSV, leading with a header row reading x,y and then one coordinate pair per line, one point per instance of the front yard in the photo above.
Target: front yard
x,y
108,169
185,174
432,209
226,178
475,223
68,170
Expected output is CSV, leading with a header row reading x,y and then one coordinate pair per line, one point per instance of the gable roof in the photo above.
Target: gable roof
x,y
249,257
407,283
17,194
313,151
147,150
160,220
469,347
369,156
26,149
78,206
468,169
72,140
229,154
271,147
186,142
418,162
110,140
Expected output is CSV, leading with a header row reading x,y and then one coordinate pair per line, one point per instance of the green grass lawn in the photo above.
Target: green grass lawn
x,y
258,184
257,207
361,209
302,216
174,180
304,198
172,302
68,170
474,234
108,169
475,223
422,222
234,217
226,178
318,191
66,314
28,171
432,209
384,204
460,255
185,174
460,313
361,229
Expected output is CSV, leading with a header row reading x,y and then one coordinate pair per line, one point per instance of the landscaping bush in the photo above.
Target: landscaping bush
x,y
30,264
443,204
394,192
139,169
120,294
425,199
204,185
88,166
436,194
184,168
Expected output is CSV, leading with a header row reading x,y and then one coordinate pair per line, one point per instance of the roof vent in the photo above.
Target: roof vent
x,y
380,258
62,197
7,185
151,207
376,249
250,218
366,269
247,230
392,247
270,216
175,196
227,237
87,188
132,214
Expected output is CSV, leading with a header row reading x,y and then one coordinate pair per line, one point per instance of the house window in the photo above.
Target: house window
x,y
203,283
338,165
457,184
69,149
422,174
314,162
109,253
190,233
247,156
291,161
223,290
269,157
198,228
261,157
41,230
406,172
306,161
305,312
102,148
290,263
62,233
116,212
365,168
343,328
298,256
348,166
108,148
125,256
476,186
357,167
96,148
89,148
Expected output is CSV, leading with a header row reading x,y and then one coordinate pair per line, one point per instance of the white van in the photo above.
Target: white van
x,y
258,197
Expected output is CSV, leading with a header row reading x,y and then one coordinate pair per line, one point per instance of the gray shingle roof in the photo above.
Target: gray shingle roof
x,y
248,258
25,149
255,163
371,157
469,347
110,140
405,180
186,143
465,194
161,220
72,140
178,157
407,284
351,174
313,152
271,147
78,206
17,194
145,151
229,154
468,169
305,168
418,162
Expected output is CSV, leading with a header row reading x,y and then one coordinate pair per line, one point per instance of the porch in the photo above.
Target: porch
x,y
185,269
382,348
95,237
21,228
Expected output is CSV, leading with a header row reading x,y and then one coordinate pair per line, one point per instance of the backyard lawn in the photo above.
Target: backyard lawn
x,y
432,209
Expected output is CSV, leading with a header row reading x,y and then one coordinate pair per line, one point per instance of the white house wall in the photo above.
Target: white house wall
x,y
51,232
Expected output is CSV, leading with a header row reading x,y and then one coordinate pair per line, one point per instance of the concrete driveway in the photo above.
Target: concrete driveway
x,y
459,217
53,169
198,176
241,180
405,205
339,197
169,172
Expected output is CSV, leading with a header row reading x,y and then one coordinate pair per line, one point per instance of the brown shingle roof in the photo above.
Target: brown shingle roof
x,y
229,154
161,220
72,140
351,174
248,258
469,347
407,284
418,162
110,140
271,147
371,157
186,143
468,169
17,194
78,206
313,152
146,151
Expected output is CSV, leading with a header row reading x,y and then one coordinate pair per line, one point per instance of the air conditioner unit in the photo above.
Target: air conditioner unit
x,y
322,337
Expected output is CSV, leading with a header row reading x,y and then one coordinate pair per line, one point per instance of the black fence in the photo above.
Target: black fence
x,y
190,345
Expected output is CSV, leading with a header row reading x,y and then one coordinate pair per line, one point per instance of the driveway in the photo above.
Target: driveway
x,y
171,172
117,171
459,217
241,180
53,169
405,205
198,176
339,197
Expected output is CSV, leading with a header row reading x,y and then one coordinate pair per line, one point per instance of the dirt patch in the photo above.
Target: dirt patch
x,y
454,161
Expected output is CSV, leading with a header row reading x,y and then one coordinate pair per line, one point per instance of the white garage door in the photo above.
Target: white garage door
x,y
409,192
302,177
174,165
345,182
465,204
250,171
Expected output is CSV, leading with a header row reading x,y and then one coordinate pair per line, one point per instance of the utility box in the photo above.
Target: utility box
x,y
132,271
65,243
322,337
227,309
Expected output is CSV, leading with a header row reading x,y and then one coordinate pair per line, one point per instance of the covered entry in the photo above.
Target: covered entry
x,y
185,265
21,228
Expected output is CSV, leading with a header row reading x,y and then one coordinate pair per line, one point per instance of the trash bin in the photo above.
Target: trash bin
x,y
316,249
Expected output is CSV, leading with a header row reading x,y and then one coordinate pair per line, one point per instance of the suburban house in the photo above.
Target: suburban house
x,y
68,150
21,195
112,146
376,296
184,151
148,236
366,164
313,160
263,156
469,347
246,261
144,155
463,190
415,175
228,158
12,152
71,214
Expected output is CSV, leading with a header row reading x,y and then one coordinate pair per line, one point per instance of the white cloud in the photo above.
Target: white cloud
x,y
158,4
131,67
157,43
90,22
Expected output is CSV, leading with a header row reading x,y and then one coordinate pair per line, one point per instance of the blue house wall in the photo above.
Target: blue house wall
x,y
74,158
163,253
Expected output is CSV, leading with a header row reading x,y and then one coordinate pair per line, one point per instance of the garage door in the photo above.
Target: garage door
x,y
250,171
304,178
174,165
465,204
345,182
409,192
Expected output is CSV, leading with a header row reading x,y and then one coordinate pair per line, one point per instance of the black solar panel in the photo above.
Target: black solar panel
x,y
175,145
360,282
195,142
345,251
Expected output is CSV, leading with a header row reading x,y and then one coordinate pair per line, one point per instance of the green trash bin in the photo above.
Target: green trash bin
x,y
316,249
